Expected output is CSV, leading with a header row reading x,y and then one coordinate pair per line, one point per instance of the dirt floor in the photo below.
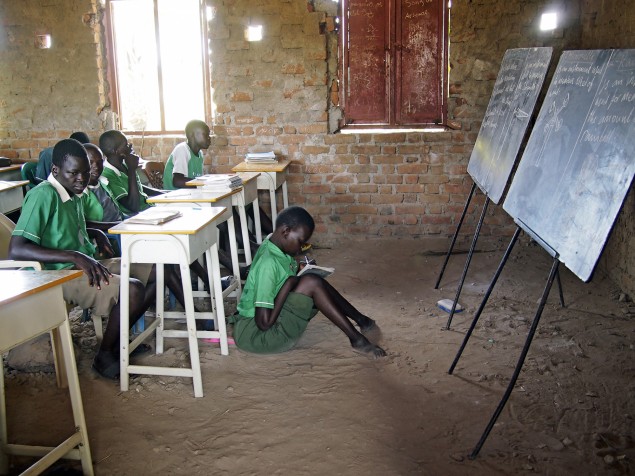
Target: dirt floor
x,y
322,409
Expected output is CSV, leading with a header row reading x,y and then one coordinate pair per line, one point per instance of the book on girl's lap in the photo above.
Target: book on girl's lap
x,y
315,269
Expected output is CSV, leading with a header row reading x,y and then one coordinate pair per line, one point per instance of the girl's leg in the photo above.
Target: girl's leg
x,y
364,322
315,287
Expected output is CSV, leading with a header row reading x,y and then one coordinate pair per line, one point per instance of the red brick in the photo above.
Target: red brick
x,y
412,168
320,128
316,189
416,188
362,188
315,149
339,139
248,120
242,96
268,131
291,68
365,149
361,209
385,198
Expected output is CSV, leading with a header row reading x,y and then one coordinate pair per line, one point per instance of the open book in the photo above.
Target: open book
x,y
154,216
315,269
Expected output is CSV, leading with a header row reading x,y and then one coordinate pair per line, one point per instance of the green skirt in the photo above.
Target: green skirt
x,y
294,318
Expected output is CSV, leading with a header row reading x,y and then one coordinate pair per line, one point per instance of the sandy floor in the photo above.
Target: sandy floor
x,y
322,409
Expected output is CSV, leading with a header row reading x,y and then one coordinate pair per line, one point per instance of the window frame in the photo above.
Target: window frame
x,y
111,69
393,24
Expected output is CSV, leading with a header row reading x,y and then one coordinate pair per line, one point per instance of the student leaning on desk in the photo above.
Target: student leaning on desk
x,y
52,230
121,169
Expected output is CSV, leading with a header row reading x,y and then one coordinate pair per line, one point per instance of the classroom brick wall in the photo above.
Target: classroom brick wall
x,y
281,94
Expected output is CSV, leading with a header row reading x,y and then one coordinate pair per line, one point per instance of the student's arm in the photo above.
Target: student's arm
x,y
265,318
21,248
180,180
132,201
103,244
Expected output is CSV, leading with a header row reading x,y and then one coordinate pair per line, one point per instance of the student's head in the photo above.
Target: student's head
x,y
96,158
114,144
294,227
81,137
198,135
71,167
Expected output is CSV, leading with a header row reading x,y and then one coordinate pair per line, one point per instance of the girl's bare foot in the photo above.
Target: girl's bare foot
x,y
362,345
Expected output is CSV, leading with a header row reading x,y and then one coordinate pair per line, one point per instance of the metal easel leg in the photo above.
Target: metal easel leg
x,y
521,359
467,261
485,298
456,233
560,292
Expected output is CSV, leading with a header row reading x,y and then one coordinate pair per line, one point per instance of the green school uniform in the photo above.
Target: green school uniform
x,y
269,270
118,188
182,161
52,218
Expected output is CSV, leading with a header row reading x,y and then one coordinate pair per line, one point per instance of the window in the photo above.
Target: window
x,y
158,63
393,62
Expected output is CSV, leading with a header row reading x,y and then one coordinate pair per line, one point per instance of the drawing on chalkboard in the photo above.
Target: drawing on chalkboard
x,y
554,123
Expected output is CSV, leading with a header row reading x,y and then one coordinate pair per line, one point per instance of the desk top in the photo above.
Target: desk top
x,y
9,184
192,195
15,285
10,168
191,222
281,166
245,176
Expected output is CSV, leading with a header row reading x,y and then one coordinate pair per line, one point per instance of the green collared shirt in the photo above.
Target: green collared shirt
x,y
118,188
54,219
269,270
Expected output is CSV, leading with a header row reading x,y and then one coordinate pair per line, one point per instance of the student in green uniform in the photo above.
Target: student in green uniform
x,y
99,205
121,171
186,160
276,305
52,230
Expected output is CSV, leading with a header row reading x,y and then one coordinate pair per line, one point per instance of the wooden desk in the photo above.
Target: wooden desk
x,y
248,194
31,304
11,172
272,177
196,198
179,241
11,195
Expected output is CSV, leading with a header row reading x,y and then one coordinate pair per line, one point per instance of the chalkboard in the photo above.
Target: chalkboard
x,y
509,111
580,158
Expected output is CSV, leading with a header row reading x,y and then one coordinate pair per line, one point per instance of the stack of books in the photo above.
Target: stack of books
x,y
221,182
261,158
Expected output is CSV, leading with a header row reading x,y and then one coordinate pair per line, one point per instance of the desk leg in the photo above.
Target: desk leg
x,y
4,459
245,233
234,251
190,319
285,195
60,370
76,396
219,312
256,208
274,204
160,275
124,319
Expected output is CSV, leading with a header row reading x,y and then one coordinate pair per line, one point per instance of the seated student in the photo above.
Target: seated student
x,y
276,305
45,159
51,229
186,160
120,169
100,209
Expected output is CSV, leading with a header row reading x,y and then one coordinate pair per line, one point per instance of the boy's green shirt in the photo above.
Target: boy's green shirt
x,y
269,270
118,188
52,218
194,166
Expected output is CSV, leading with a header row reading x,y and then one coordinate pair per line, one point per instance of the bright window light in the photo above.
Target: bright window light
x,y
254,33
549,21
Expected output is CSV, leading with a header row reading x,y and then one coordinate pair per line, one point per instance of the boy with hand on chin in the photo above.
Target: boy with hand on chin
x,y
276,305
52,230
120,169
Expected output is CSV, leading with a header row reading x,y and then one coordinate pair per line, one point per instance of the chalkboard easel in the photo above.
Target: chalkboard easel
x,y
575,173
502,131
